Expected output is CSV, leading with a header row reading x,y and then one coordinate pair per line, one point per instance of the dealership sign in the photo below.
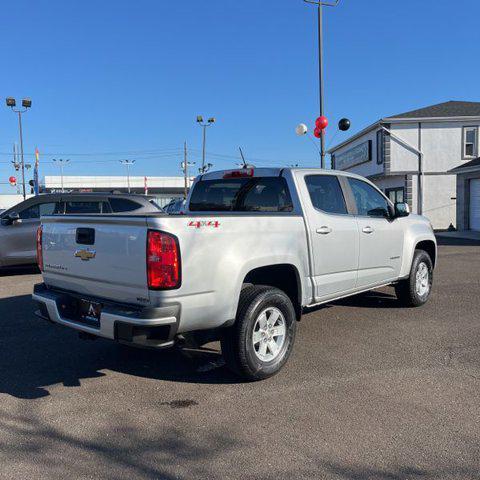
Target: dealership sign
x,y
361,153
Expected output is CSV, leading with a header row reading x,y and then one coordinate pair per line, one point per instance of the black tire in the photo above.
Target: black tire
x,y
239,352
406,290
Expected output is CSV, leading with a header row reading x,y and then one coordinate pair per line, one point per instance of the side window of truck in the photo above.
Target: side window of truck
x,y
326,193
369,201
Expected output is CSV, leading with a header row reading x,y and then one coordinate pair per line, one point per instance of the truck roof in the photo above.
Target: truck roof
x,y
252,171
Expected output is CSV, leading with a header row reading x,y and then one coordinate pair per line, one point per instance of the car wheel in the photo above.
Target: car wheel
x,y
415,290
259,343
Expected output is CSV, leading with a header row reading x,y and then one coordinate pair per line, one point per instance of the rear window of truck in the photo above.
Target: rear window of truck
x,y
261,194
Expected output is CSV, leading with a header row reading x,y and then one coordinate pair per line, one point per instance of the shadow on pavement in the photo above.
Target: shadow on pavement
x,y
396,472
22,270
372,299
115,449
35,354
450,241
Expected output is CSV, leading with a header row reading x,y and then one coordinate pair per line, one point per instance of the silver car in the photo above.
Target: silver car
x,y
19,223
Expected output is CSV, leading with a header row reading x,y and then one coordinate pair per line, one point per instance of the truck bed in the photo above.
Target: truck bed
x,y
216,254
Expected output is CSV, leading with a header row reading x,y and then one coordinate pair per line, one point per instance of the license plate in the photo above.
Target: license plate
x,y
89,312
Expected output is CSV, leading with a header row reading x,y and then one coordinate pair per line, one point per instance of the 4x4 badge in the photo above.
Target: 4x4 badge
x,y
85,255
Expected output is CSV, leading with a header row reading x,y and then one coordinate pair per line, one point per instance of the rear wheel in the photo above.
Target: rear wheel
x,y
415,290
259,343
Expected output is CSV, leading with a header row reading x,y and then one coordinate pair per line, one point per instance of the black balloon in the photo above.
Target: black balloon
x,y
344,124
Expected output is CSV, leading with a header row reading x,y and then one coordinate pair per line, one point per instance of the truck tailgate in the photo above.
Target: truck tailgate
x,y
101,257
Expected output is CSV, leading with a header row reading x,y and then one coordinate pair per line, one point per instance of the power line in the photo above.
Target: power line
x,y
99,154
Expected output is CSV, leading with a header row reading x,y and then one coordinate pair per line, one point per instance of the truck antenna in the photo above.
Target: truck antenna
x,y
243,158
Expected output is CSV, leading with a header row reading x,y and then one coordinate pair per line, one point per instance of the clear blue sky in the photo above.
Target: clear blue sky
x,y
129,77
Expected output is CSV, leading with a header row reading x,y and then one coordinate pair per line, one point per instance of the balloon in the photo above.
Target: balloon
x,y
301,129
12,180
344,124
321,122
318,132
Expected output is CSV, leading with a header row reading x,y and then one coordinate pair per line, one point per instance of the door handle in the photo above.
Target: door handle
x,y
324,230
367,229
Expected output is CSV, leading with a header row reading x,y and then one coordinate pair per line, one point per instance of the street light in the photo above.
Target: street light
x,y
184,166
62,163
26,104
128,163
320,4
204,168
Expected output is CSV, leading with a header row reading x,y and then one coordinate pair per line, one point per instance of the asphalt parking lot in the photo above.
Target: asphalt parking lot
x,y
371,391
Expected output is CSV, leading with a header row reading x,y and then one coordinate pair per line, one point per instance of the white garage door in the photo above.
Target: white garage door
x,y
475,204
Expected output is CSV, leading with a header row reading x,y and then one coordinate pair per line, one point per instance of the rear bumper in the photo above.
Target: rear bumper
x,y
144,327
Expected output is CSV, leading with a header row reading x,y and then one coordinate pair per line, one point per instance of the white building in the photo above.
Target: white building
x,y
163,188
410,156
468,195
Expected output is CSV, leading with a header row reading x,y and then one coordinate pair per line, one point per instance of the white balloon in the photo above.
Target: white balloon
x,y
301,129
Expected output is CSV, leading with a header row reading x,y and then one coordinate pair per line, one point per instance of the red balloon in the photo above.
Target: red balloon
x,y
317,132
12,180
321,122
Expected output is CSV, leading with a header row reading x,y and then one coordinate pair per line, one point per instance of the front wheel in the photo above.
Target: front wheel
x,y
259,343
415,290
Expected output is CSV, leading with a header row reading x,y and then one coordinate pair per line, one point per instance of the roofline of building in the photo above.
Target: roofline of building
x,y
463,118
465,169
354,137
399,120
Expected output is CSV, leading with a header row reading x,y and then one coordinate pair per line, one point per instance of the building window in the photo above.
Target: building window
x,y
380,147
470,142
396,195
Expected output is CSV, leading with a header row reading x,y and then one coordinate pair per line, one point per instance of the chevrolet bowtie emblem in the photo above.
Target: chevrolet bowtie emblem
x,y
85,255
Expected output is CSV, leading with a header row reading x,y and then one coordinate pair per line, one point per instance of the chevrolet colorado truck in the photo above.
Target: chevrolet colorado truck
x,y
253,249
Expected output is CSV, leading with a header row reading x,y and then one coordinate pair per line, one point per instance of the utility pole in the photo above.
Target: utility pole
x,y
26,104
319,5
185,164
62,163
16,165
185,167
21,152
128,163
203,124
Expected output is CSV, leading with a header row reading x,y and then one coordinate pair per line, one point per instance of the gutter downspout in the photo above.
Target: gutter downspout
x,y
420,166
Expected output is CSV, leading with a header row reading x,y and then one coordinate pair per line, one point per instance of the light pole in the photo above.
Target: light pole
x,y
184,165
128,163
204,168
320,4
62,163
26,104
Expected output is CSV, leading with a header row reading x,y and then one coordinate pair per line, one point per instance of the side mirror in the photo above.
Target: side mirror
x,y
11,219
402,210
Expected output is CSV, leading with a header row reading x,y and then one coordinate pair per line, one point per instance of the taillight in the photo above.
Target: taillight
x,y
39,248
245,172
163,261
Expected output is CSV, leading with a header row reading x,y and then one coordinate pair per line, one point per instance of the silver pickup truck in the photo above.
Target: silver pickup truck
x,y
255,247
